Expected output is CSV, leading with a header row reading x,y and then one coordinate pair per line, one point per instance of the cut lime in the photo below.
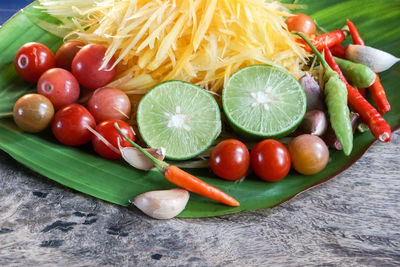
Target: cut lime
x,y
180,117
263,101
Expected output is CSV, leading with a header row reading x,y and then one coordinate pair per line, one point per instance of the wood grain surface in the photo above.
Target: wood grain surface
x,y
352,220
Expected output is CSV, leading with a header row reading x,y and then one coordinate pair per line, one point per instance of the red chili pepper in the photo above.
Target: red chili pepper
x,y
376,89
355,35
376,123
330,39
339,51
193,184
363,92
379,96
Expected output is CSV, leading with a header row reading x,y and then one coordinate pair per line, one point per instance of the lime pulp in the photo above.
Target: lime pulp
x,y
262,101
181,117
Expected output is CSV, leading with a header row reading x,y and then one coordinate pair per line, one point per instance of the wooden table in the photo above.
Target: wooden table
x,y
351,220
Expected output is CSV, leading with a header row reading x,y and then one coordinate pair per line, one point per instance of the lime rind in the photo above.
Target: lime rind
x,y
179,116
263,101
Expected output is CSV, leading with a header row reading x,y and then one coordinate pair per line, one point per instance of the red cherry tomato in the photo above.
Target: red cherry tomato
x,y
70,125
86,65
32,60
230,160
109,104
301,23
111,134
270,160
66,53
60,86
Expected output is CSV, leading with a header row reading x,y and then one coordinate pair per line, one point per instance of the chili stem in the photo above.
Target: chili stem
x,y
6,114
316,52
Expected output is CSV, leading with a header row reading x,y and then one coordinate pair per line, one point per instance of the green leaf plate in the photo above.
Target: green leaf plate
x,y
116,182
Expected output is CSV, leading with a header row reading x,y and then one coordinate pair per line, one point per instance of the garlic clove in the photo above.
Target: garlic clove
x,y
136,158
376,59
162,204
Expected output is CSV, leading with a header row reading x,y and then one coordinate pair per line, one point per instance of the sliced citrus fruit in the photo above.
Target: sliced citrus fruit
x,y
262,101
181,117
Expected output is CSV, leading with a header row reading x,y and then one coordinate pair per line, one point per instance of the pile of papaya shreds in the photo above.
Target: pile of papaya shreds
x,y
341,83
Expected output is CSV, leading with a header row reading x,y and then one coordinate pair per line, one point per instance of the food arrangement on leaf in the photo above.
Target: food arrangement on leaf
x,y
239,102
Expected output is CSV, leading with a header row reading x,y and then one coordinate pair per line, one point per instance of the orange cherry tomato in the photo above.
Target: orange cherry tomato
x,y
301,23
309,154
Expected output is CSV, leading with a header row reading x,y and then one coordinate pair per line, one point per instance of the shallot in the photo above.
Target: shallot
x,y
314,123
331,139
376,59
313,92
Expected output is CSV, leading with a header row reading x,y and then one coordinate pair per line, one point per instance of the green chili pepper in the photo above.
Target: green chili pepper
x,y
336,101
358,75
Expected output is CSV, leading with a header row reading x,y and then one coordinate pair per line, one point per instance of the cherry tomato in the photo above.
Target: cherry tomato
x,y
32,60
111,134
33,113
270,160
109,103
230,160
70,125
86,67
309,154
60,86
66,53
301,23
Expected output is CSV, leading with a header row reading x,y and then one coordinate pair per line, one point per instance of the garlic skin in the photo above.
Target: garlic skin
x,y
162,204
376,59
136,158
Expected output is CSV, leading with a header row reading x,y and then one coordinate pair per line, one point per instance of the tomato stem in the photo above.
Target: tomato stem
x,y
162,166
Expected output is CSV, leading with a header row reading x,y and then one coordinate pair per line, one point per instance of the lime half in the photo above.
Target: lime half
x,y
262,101
181,117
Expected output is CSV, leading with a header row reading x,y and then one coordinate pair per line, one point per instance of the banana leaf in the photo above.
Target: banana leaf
x,y
116,182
